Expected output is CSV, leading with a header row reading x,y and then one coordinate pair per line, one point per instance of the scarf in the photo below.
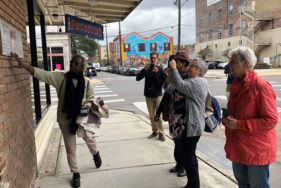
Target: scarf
x,y
73,98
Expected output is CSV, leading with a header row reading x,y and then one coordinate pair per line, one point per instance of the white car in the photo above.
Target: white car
x,y
222,65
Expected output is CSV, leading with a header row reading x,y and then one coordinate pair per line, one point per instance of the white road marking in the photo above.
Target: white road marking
x,y
113,95
223,97
142,106
99,86
109,91
113,100
278,98
273,82
221,79
276,85
278,109
99,89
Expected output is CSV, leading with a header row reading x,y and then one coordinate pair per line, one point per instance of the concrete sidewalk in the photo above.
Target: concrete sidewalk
x,y
130,160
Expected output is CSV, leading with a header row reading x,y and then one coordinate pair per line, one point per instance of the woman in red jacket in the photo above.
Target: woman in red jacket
x,y
250,129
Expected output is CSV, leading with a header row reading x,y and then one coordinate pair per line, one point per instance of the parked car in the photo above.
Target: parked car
x,y
222,65
103,69
213,64
133,71
123,70
91,71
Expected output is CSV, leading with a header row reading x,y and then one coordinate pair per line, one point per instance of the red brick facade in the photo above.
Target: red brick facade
x,y
17,144
203,11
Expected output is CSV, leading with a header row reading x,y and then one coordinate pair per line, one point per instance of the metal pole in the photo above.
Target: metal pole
x,y
33,51
45,61
120,36
106,44
179,25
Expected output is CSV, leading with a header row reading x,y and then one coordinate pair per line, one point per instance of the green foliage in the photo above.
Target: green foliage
x,y
205,53
81,44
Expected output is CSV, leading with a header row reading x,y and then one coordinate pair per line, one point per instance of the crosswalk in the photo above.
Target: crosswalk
x,y
275,85
101,91
107,95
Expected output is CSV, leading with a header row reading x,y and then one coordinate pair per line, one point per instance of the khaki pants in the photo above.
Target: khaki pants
x,y
70,145
152,106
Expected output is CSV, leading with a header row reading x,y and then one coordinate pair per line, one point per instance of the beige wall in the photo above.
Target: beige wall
x,y
222,45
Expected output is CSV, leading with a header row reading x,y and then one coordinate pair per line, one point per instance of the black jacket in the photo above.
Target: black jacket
x,y
153,81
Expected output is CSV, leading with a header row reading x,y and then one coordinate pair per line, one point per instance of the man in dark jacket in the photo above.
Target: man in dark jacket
x,y
154,80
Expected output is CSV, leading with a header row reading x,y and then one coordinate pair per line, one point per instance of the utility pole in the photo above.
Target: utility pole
x,y
120,45
179,4
106,45
179,25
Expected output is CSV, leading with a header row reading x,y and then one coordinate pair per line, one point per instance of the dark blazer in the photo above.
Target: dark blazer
x,y
153,81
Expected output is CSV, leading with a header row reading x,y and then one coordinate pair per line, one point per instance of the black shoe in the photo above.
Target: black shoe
x,y
97,160
154,134
162,137
75,180
174,169
181,173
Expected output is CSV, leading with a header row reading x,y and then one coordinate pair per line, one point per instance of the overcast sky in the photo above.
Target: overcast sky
x,y
155,14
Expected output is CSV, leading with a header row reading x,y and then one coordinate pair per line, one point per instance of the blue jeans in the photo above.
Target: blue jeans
x,y
251,176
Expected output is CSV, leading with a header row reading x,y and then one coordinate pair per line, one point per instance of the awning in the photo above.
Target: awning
x,y
99,11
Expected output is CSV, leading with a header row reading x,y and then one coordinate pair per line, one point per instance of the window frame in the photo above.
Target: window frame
x,y
230,30
219,32
201,20
200,36
166,48
128,48
141,47
153,49
220,14
210,34
230,10
210,17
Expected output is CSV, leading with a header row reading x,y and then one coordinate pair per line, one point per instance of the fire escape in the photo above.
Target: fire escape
x,y
254,27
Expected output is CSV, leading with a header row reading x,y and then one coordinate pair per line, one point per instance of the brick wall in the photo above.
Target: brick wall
x,y
17,147
203,10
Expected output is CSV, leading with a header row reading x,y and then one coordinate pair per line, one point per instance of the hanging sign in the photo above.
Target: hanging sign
x,y
82,27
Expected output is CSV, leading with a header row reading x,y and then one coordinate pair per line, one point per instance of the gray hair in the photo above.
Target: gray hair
x,y
201,65
244,53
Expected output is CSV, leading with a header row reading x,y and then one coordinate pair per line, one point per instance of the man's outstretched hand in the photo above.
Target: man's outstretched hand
x,y
20,63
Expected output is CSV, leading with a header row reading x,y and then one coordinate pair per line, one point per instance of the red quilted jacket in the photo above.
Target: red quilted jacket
x,y
252,102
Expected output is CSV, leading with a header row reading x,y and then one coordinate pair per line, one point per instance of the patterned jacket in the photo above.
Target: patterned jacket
x,y
195,91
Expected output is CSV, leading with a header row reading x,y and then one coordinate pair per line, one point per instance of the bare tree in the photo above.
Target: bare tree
x,y
205,52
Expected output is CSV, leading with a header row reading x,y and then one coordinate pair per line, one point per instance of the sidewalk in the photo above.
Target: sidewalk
x,y
130,160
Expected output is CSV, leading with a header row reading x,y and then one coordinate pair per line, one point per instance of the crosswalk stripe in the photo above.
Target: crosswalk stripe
x,y
278,98
276,85
99,86
278,109
99,89
223,97
273,82
113,95
142,106
109,91
113,100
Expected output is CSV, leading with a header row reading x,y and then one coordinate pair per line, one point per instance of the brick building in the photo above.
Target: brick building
x,y
222,25
17,151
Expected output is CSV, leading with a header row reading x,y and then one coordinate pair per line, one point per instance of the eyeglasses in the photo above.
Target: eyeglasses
x,y
192,65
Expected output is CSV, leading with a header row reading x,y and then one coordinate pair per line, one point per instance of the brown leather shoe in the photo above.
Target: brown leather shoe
x,y
154,134
162,137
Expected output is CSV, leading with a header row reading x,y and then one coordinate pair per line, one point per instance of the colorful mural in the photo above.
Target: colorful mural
x,y
134,57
